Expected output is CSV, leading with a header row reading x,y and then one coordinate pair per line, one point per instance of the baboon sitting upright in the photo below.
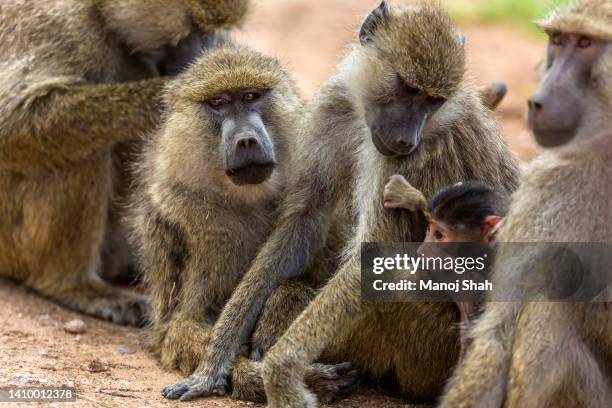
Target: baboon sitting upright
x,y
543,354
209,187
78,77
399,105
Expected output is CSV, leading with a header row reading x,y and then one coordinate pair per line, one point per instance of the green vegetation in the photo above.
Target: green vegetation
x,y
520,12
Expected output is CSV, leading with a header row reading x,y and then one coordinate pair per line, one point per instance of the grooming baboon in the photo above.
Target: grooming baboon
x,y
210,184
541,354
399,104
78,77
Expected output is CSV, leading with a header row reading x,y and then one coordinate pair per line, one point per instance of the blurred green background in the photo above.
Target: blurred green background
x,y
519,12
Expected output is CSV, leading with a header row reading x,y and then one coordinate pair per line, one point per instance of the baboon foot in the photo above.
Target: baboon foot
x,y
124,308
108,303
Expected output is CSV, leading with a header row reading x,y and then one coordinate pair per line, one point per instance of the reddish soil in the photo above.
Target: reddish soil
x,y
310,39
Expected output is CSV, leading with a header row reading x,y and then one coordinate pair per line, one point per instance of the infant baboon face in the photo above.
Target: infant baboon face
x,y
248,151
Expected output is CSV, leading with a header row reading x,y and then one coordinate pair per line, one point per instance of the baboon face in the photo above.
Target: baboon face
x,y
556,111
248,150
414,62
396,125
230,124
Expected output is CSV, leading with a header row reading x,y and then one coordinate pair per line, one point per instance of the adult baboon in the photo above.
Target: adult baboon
x,y
210,184
542,354
77,78
399,105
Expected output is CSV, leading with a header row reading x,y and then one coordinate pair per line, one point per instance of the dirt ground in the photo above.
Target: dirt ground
x,y
109,365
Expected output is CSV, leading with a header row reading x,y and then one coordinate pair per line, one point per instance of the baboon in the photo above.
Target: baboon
x,y
543,354
464,212
398,105
210,182
78,77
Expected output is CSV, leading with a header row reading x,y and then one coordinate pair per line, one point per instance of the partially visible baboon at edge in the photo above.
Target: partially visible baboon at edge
x,y
210,184
398,105
541,354
79,76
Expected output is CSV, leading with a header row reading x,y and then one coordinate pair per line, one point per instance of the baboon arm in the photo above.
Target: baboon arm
x,y
65,122
337,304
286,254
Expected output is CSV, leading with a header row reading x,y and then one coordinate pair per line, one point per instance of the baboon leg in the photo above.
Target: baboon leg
x,y
280,310
64,266
285,363
383,340
185,343
93,297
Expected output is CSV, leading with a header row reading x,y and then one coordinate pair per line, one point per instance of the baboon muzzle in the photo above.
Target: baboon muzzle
x,y
250,161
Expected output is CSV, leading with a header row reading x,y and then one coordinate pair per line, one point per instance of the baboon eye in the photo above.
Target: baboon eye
x,y
435,100
217,102
251,96
438,236
585,42
411,89
556,39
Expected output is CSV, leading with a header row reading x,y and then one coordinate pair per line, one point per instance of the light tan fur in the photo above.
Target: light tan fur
x,y
78,77
540,354
338,180
198,232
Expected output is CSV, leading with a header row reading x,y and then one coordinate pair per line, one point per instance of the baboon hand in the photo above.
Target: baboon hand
x,y
179,57
198,385
322,382
399,193
330,382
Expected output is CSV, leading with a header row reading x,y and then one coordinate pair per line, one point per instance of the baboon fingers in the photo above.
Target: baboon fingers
x,y
194,387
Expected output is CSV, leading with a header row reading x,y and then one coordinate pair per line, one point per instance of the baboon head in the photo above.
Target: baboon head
x,y
576,83
411,62
148,25
231,118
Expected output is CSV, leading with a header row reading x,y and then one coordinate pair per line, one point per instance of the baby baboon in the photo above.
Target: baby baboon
x,y
77,78
210,184
464,212
399,104
541,354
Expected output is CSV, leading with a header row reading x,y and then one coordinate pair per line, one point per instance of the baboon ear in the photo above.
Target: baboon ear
x,y
371,23
461,39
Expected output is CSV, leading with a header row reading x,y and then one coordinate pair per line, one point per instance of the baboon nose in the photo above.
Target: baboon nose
x,y
405,145
535,104
247,142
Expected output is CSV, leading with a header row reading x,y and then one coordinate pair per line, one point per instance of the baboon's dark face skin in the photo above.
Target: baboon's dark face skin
x,y
247,148
396,124
557,109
